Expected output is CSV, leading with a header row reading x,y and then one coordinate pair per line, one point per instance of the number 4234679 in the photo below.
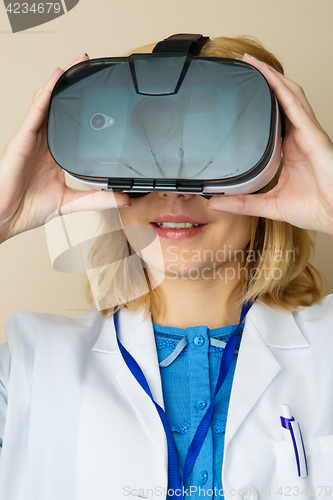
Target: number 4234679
x,y
36,8
288,491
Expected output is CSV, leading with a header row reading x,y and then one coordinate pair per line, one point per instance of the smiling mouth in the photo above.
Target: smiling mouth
x,y
178,231
176,225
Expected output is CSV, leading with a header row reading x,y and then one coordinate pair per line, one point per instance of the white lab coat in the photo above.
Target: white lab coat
x,y
79,427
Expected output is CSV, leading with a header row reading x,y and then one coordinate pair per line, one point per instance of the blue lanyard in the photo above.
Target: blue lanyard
x,y
176,485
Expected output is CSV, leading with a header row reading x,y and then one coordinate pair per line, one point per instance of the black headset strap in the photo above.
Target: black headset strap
x,y
182,43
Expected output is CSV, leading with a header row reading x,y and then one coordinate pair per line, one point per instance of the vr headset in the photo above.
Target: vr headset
x,y
166,121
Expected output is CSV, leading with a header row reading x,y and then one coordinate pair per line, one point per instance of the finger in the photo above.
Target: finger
x,y
294,87
290,95
81,201
83,57
38,110
257,205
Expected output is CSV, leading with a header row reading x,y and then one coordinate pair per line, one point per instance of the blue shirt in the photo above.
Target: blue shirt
x,y
188,383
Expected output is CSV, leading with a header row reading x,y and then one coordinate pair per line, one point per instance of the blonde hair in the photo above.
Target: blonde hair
x,y
299,283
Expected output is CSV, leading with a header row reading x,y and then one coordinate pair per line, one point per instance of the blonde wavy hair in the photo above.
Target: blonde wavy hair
x,y
300,283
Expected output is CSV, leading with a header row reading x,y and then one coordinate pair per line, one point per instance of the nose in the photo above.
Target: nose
x,y
174,195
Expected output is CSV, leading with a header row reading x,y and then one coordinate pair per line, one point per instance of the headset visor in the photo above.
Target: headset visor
x,y
162,117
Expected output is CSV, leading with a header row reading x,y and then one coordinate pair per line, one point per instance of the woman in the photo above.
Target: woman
x,y
74,421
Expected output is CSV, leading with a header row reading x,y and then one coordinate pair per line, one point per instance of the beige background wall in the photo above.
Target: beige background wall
x,y
299,32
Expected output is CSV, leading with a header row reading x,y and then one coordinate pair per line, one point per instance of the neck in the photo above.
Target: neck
x,y
189,303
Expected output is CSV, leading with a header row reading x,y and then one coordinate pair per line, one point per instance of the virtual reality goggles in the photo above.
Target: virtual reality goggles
x,y
166,121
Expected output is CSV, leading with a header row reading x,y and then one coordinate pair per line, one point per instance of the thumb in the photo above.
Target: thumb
x,y
257,205
81,201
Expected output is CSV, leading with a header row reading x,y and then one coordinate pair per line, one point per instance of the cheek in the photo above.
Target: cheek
x,y
244,225
125,216
233,230
135,215
128,219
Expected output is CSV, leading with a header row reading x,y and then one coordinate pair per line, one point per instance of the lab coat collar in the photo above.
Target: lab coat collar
x,y
277,328
130,326
137,336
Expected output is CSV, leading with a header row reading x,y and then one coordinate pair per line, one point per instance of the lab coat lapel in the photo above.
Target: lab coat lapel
x,y
257,366
137,336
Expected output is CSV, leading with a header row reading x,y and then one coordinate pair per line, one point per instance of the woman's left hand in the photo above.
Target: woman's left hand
x,y
304,194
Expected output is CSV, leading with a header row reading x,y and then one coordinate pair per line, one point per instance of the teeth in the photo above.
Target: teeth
x,y
176,225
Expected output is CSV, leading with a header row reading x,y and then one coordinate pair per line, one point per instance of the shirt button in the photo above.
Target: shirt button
x,y
203,477
199,340
200,405
247,493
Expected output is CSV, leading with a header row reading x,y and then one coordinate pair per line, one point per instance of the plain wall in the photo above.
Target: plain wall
x,y
299,32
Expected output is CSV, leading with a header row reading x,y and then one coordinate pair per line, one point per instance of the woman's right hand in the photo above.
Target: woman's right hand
x,y
32,185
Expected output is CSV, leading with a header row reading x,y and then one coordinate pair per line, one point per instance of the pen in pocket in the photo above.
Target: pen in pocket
x,y
292,431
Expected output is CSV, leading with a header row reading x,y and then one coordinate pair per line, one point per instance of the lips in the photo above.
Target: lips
x,y
180,233
177,218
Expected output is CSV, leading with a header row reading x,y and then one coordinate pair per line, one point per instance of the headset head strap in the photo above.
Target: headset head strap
x,y
182,43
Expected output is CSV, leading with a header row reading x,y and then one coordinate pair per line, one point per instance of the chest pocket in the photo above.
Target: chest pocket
x,y
319,483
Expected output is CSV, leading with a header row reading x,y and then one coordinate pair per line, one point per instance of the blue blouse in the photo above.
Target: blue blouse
x,y
188,383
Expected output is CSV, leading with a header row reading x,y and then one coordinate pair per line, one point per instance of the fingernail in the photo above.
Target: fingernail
x,y
213,204
55,70
246,54
82,55
211,207
123,206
